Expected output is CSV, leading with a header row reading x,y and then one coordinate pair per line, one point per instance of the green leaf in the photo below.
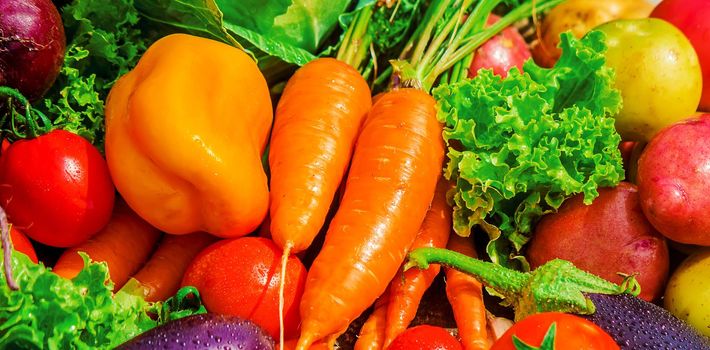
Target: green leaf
x,y
51,312
285,52
197,17
519,146
548,342
302,23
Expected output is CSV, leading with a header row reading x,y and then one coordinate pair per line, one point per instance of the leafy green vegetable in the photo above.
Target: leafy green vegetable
x,y
204,18
301,23
103,42
51,312
519,146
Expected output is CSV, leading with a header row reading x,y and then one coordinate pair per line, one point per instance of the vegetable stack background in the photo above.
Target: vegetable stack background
x,y
354,174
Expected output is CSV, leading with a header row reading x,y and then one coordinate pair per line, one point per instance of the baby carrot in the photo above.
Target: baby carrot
x,y
465,295
408,287
161,275
124,244
372,333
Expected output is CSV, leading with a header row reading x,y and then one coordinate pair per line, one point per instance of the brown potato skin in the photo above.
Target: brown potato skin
x,y
611,235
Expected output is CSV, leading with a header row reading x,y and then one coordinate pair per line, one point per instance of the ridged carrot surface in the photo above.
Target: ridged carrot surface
x,y
408,287
465,295
316,124
390,184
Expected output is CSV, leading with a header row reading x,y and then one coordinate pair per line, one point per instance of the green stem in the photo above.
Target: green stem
x,y
504,280
29,119
357,40
434,13
475,41
557,285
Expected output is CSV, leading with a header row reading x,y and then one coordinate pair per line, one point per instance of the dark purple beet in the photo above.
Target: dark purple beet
x,y
32,45
638,324
206,331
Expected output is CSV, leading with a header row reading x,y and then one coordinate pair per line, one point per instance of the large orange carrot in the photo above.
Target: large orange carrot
x,y
160,277
465,295
125,243
316,124
372,333
408,287
390,184
315,127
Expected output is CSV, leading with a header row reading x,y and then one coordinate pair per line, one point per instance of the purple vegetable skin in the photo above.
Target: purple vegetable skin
x,y
205,331
32,45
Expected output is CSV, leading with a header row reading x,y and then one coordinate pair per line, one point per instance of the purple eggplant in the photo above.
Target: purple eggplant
x,y
205,331
32,45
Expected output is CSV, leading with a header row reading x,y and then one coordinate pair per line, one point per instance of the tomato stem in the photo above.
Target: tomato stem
x,y
30,118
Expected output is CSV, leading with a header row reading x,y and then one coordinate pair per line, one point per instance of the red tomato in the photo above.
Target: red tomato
x,y
241,277
22,244
691,17
573,332
56,188
425,337
501,53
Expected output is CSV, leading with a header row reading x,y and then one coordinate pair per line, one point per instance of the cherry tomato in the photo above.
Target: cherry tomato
x,y
241,277
572,332
22,244
425,337
56,188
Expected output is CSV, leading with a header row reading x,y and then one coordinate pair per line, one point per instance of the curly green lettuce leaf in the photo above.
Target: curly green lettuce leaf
x,y
104,41
519,146
51,312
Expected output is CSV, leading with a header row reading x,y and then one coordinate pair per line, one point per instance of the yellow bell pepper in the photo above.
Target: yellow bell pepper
x,y
185,130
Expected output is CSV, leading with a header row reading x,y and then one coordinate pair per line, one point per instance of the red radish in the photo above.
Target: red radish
x,y
673,179
501,53
425,337
32,45
56,188
240,277
691,17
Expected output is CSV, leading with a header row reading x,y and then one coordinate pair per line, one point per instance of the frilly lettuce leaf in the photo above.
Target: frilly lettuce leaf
x,y
51,312
519,146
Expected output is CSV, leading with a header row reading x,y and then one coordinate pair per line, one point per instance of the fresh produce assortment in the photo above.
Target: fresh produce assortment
x,y
204,174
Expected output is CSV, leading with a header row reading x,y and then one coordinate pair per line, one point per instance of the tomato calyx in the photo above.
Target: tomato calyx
x,y
30,119
548,342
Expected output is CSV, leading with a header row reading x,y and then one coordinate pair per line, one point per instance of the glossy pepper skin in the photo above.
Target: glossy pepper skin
x,y
185,130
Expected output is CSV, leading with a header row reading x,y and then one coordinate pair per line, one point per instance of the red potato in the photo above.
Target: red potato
x,y
674,179
691,17
607,237
501,53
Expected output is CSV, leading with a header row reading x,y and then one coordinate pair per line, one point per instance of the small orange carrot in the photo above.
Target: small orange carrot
x,y
372,333
160,277
408,287
390,184
291,344
465,295
315,127
124,244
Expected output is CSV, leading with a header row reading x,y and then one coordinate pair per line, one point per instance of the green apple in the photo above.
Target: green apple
x,y
657,72
688,291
